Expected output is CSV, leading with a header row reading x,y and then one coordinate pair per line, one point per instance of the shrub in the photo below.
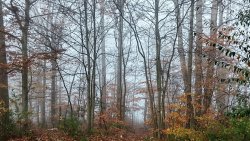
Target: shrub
x,y
71,126
8,126
210,129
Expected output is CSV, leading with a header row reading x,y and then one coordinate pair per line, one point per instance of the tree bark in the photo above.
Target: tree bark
x,y
43,101
209,83
186,68
180,47
119,61
103,79
4,95
88,70
53,89
198,58
93,79
220,95
25,64
190,109
158,68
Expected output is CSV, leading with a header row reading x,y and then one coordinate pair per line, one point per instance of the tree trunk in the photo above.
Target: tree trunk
x,y
88,69
93,79
43,101
103,77
198,58
220,95
4,95
119,61
190,109
180,47
158,68
186,68
209,84
53,90
24,41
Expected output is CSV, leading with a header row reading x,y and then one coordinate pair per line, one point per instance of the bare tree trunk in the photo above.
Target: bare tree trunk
x,y
119,70
4,95
93,79
124,92
53,90
146,65
220,95
103,83
88,75
38,111
190,109
180,47
158,68
24,41
186,68
209,83
145,112
43,101
198,58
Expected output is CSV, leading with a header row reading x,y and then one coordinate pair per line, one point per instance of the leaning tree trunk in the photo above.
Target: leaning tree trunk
x,y
180,47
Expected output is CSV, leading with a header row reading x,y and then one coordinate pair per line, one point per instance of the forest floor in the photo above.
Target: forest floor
x,y
139,134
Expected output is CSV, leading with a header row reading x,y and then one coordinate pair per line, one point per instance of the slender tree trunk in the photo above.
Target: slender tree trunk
x,y
145,112
220,95
4,95
53,90
119,70
146,64
43,101
124,86
186,68
93,93
209,84
180,47
190,109
38,111
198,58
88,71
148,75
158,68
103,83
24,41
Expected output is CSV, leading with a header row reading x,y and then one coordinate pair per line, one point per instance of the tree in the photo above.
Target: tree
x,y
186,67
190,109
103,104
23,23
4,95
209,85
158,67
198,58
120,105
